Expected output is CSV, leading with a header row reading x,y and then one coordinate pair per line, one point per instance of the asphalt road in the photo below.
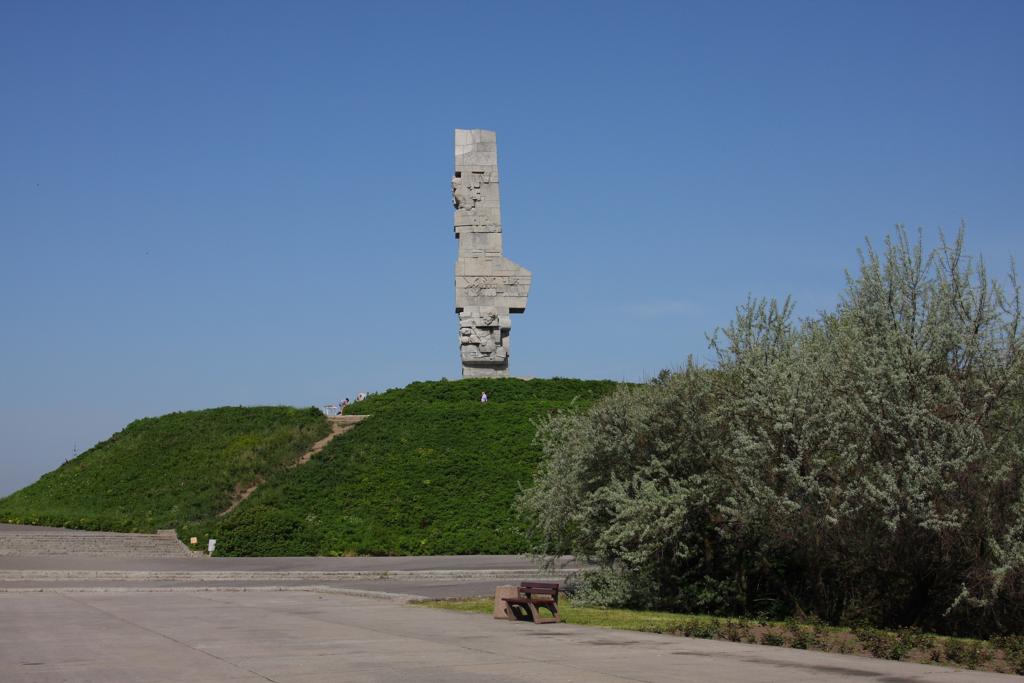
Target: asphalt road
x,y
412,589
421,576
276,564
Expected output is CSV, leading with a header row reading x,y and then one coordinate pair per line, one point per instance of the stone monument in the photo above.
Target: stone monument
x,y
488,287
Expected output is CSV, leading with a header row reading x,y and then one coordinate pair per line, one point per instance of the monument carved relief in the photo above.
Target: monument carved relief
x,y
488,286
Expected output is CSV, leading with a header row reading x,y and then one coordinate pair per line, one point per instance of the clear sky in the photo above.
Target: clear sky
x,y
224,203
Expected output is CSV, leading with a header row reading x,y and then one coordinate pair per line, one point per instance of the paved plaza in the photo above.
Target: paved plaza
x,y
305,637
81,617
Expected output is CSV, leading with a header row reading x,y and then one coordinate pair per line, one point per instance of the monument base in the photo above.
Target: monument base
x,y
469,371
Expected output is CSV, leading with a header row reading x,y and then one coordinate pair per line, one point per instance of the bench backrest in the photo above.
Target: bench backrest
x,y
539,589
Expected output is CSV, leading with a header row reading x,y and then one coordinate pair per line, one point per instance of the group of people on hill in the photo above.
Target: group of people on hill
x,y
341,405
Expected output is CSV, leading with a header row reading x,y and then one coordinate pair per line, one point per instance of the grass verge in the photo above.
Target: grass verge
x,y
1003,655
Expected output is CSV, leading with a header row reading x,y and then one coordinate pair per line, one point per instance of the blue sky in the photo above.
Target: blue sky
x,y
229,203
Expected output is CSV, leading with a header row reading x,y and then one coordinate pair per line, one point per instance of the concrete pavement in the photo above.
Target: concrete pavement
x,y
78,617
306,637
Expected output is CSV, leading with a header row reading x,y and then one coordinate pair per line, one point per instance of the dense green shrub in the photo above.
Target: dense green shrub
x,y
800,635
265,531
433,471
864,464
967,653
888,645
1013,650
167,471
736,630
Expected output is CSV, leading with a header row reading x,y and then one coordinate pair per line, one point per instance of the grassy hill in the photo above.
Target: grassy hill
x,y
433,471
167,471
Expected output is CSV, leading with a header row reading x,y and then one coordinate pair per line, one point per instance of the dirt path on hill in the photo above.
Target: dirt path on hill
x,y
339,425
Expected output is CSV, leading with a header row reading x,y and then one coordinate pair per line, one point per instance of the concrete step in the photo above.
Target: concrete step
x,y
93,543
347,419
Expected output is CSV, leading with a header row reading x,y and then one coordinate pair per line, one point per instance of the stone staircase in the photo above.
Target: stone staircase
x,y
347,420
47,541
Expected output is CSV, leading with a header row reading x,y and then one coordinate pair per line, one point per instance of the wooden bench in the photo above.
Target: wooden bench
x,y
532,595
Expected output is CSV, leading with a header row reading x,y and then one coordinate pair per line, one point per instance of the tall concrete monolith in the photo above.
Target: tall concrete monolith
x,y
488,287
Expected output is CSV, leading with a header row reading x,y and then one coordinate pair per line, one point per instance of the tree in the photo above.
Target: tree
x,y
866,463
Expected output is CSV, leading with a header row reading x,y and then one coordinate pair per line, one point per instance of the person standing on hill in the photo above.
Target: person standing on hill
x,y
483,397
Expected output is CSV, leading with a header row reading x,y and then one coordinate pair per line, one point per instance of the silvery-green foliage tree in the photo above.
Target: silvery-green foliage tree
x,y
867,463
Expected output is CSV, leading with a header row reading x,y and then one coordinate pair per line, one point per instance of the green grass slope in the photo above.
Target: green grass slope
x,y
172,471
432,471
